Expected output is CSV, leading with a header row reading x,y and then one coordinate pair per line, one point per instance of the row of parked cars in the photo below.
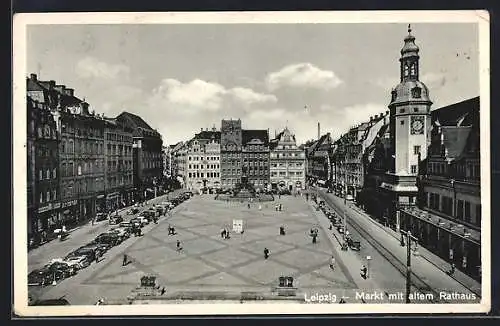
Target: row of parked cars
x,y
338,223
60,268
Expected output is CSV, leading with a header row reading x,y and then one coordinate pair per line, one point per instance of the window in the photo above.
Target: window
x,y
41,175
54,174
48,195
467,216
402,122
416,150
401,110
79,170
415,109
460,209
54,194
47,174
41,197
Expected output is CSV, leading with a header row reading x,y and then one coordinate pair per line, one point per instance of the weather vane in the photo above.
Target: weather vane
x,y
409,28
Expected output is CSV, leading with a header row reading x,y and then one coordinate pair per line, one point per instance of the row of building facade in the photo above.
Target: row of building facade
x,y
219,159
81,163
412,168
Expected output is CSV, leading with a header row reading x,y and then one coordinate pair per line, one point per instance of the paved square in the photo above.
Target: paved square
x,y
209,263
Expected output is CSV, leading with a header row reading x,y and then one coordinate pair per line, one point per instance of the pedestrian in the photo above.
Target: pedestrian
x,y
222,233
364,271
162,291
260,207
331,226
248,205
452,269
266,253
281,207
125,260
179,247
332,263
314,237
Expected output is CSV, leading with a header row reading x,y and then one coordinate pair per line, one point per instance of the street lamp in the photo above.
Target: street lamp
x,y
368,259
409,237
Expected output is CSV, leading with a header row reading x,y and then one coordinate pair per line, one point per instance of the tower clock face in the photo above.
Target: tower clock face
x,y
417,125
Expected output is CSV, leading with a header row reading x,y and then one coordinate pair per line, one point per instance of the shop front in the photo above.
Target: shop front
x,y
100,203
69,212
113,201
452,242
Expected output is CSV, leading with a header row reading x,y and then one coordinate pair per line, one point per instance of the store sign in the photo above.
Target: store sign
x,y
69,203
45,208
49,207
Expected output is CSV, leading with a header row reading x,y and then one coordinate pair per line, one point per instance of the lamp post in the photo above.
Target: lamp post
x,y
368,259
409,237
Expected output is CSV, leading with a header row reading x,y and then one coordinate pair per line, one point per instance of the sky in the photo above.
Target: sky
x,y
183,77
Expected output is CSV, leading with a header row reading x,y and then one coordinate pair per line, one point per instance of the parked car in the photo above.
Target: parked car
x,y
71,264
340,228
133,210
115,219
101,217
80,261
349,197
105,241
62,267
148,214
122,232
52,302
136,223
42,276
88,252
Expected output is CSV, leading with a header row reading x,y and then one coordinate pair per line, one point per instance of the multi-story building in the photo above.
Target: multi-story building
x,y
203,163
448,219
179,163
287,162
230,153
81,161
147,147
319,158
118,165
43,168
166,155
81,156
255,158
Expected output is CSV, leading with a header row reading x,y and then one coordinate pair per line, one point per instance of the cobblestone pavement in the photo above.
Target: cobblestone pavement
x,y
208,263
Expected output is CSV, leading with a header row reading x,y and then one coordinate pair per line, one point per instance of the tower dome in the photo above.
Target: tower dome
x,y
409,48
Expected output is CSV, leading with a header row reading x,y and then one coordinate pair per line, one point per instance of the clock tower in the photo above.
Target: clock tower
x,y
410,123
410,113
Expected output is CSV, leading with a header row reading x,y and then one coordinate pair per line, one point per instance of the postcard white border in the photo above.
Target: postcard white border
x,y
19,219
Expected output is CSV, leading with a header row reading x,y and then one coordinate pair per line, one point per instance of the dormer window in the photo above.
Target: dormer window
x,y
416,92
394,94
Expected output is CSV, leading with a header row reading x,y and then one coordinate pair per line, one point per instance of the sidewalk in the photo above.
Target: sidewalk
x,y
444,266
347,260
425,265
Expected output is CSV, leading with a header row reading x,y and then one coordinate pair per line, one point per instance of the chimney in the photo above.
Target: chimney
x,y
201,129
69,91
376,116
33,77
371,119
319,131
387,112
213,128
52,84
61,89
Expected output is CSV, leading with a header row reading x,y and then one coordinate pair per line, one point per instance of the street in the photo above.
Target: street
x,y
385,249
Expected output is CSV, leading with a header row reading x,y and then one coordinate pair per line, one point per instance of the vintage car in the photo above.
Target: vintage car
x,y
51,302
148,214
101,217
354,245
79,261
71,264
115,219
123,232
106,240
62,267
133,210
139,221
42,276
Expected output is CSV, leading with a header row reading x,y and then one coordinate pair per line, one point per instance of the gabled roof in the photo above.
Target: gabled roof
x,y
248,135
205,134
456,113
32,85
136,120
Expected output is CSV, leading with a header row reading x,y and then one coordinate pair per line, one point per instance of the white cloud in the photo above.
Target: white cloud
x,y
91,67
202,96
249,96
304,75
197,94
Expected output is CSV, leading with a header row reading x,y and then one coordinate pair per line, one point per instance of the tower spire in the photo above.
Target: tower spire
x,y
409,29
